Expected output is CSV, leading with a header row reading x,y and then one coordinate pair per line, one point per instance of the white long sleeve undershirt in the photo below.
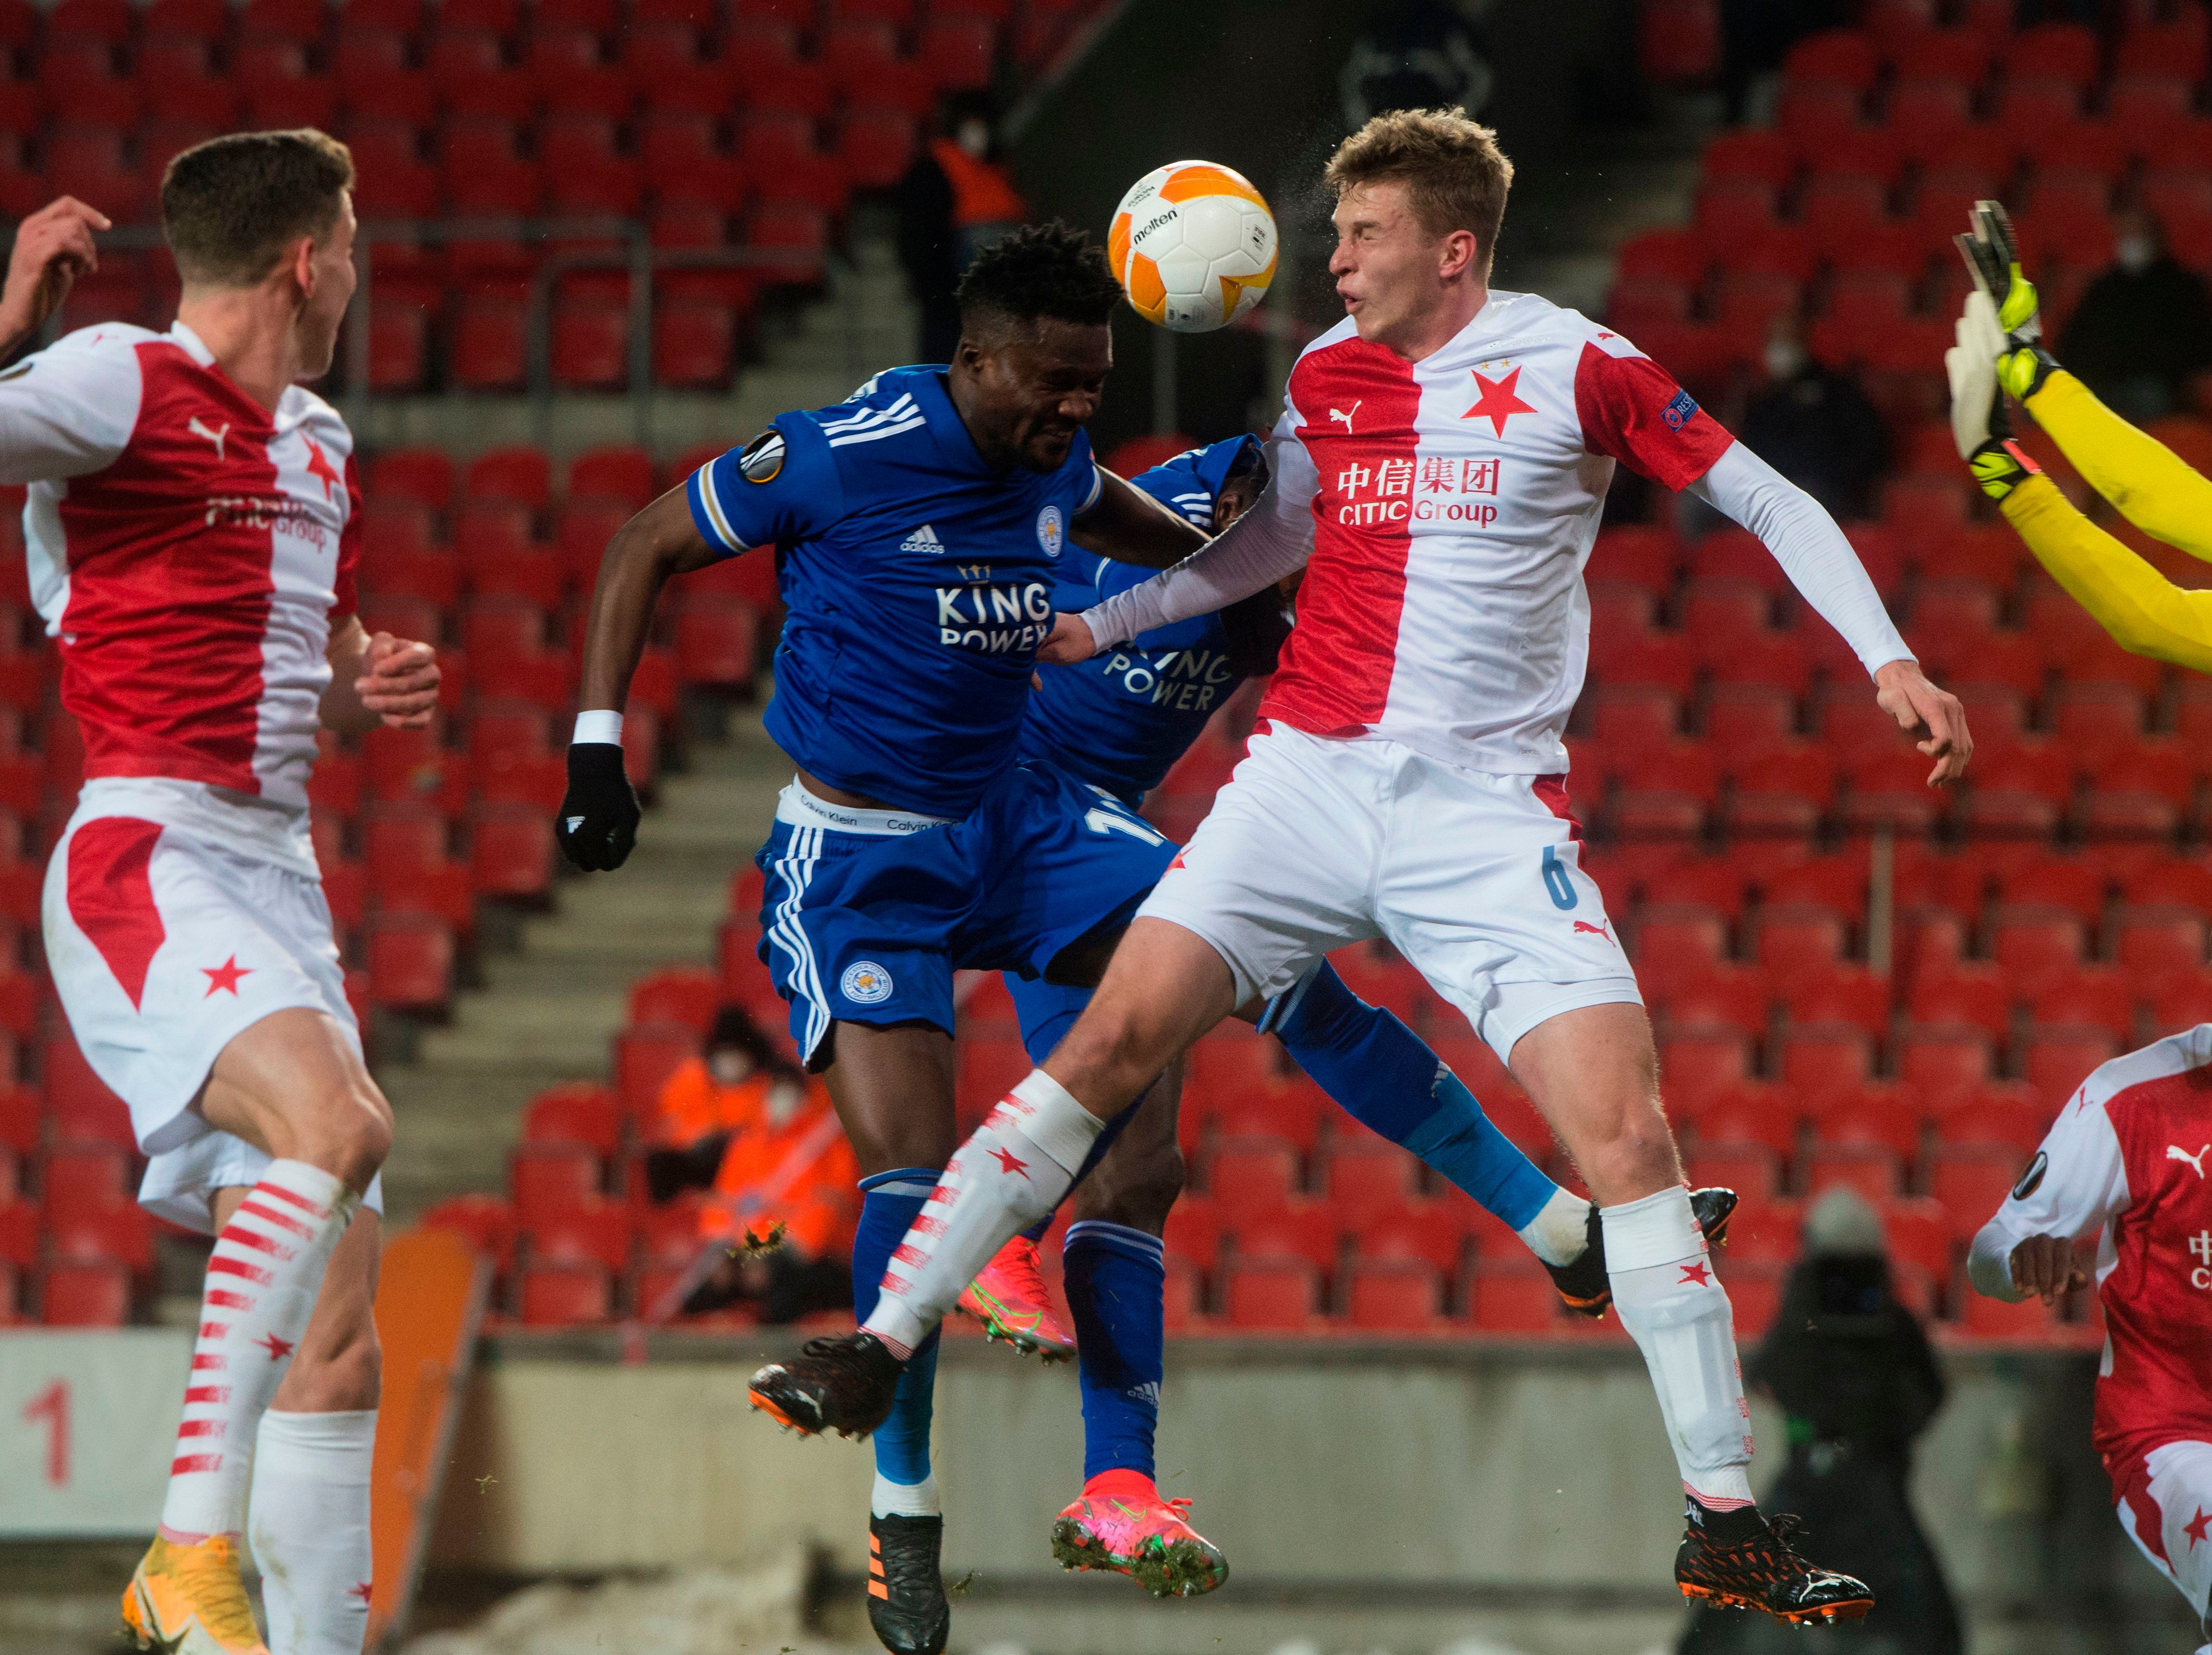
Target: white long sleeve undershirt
x,y
1269,542
1812,550
1260,548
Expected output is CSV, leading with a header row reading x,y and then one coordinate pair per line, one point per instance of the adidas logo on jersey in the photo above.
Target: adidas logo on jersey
x,y
923,539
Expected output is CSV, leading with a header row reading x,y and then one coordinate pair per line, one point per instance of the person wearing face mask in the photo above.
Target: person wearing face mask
x,y
790,1166
2143,329
956,200
708,1097
1815,426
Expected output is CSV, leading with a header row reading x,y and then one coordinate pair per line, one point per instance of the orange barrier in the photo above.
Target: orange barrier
x,y
429,1305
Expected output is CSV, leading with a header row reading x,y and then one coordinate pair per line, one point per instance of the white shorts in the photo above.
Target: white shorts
x,y
2163,1506
1475,878
163,946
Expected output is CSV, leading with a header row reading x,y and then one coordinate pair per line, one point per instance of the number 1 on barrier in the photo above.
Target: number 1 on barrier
x,y
51,1408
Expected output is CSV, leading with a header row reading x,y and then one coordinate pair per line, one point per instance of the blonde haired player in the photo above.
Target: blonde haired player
x,y
1439,473
1999,352
2125,1163
193,526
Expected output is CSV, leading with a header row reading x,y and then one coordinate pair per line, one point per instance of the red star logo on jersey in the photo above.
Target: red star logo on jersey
x,y
1498,401
2196,1528
1699,1273
1009,1163
225,976
361,1589
319,465
278,1349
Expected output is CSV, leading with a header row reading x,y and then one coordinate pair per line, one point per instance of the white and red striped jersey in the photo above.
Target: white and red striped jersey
x,y
2129,1160
1453,503
188,551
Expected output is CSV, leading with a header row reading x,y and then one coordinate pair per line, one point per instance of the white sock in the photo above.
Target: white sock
x,y
262,1279
308,1524
1009,1174
899,1499
1677,1312
1560,1234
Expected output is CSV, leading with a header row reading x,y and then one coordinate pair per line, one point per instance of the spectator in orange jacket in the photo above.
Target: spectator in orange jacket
x,y
709,1098
793,1167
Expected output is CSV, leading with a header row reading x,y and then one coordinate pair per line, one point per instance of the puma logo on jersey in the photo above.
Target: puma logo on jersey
x,y
1346,414
1594,930
198,427
2196,1163
923,539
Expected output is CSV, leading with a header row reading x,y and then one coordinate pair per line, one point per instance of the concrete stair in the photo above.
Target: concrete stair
x,y
547,1009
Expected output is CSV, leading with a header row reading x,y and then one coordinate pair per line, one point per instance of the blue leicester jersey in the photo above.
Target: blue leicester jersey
x,y
917,583
1122,719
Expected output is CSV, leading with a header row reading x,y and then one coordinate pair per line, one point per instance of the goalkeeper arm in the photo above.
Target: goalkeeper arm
x,y
2143,478
2145,614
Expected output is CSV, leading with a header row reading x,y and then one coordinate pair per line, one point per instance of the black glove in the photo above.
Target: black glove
x,y
597,824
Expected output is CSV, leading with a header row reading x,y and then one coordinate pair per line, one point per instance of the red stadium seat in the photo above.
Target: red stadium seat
x,y
2032,943
560,1295
1392,1295
1972,1181
1251,1177
590,345
2005,1113
1755,1291
2174,879
1871,1170
1193,1231
1792,941
1936,1060
2067,51
715,639
1818,1060
593,1229
78,1102
2104,995
2153,943
410,961
1817,115
551,1176
1365,1180
1672,940
682,994
645,1055
1433,1231
1512,1295
113,1226
89,1294
1697,1063
576,1112
1747,1168
79,1173
1270,1294
1726,996
2056,1059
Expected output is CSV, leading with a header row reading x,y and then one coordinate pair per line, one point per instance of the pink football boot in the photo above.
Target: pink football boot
x,y
1011,1300
1121,1523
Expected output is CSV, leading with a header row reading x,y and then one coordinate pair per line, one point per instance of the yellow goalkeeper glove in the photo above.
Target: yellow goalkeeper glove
x,y
1992,255
1980,424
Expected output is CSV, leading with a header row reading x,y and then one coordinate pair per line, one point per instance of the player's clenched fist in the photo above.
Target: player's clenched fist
x,y
53,247
2047,1265
600,812
399,681
1070,642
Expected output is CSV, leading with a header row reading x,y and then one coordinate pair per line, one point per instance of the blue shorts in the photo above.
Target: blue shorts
x,y
1047,1010
866,915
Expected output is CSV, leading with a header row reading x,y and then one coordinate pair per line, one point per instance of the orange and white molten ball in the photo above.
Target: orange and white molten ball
x,y
1193,244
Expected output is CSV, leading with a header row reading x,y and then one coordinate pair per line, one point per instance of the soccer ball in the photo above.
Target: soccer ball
x,y
1193,245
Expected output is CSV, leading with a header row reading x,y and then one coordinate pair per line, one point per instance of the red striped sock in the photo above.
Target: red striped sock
x,y
262,1279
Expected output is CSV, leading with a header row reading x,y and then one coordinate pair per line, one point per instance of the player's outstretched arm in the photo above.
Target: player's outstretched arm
x,y
378,679
1260,548
1820,563
2145,613
53,247
599,814
1130,526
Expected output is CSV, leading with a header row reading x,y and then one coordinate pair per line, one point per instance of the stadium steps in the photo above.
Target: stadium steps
x,y
812,357
1565,222
547,1011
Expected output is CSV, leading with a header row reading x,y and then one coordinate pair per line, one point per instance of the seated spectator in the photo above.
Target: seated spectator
x,y
2143,330
789,1170
1815,426
1852,1370
713,1095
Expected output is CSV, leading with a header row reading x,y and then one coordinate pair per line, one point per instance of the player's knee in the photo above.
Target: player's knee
x,y
351,1132
1633,1156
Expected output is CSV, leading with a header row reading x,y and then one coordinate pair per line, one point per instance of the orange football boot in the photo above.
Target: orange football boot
x,y
188,1600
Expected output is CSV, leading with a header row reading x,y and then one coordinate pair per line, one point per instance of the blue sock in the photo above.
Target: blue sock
x,y
891,1202
1385,1077
1117,1291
